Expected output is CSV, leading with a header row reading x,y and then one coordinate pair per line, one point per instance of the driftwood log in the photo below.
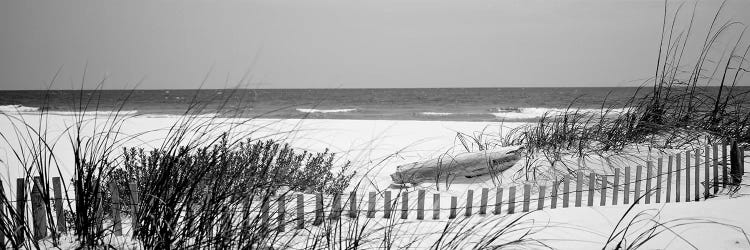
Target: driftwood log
x,y
465,164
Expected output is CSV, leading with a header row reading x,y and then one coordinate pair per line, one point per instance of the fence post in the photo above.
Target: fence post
x,y
553,195
404,204
454,204
115,206
669,179
579,187
725,164
20,212
483,201
282,212
603,198
420,204
435,206
300,211
469,202
38,210
592,185
697,174
498,200
626,191
2,215
100,210
134,205
336,210
715,165
687,176
616,187
677,177
511,200
736,172
706,172
60,215
566,191
649,170
659,169
353,204
387,205
526,197
371,205
638,170
318,209
540,199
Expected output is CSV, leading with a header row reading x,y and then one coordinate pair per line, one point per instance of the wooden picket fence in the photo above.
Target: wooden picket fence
x,y
719,168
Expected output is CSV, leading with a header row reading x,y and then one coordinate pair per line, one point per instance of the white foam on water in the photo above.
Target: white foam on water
x,y
325,110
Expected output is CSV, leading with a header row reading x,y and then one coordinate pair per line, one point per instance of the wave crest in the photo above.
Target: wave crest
x,y
325,110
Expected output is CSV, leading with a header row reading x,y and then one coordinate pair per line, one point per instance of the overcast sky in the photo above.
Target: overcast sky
x,y
336,43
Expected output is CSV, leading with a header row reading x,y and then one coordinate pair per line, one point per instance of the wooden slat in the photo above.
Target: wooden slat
x,y
20,211
566,191
579,188
483,201
353,202
38,210
697,175
626,190
677,177
264,211
336,209
638,179
404,204
371,204
687,176
553,196
649,175
616,187
715,166
669,179
498,200
454,204
540,198
511,200
3,223
603,192
420,204
435,206
59,213
469,202
282,213
659,169
706,172
114,193
526,197
135,201
725,165
591,188
387,205
300,211
318,209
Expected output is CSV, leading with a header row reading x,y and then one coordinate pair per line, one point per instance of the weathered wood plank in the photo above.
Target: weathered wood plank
x,y
659,173
626,190
526,197
353,202
371,203
540,198
669,179
319,214
435,206
566,191
469,202
687,176
638,176
300,211
553,196
454,204
114,193
511,200
616,187
59,213
387,205
38,210
498,200
579,188
420,204
404,204
591,188
483,201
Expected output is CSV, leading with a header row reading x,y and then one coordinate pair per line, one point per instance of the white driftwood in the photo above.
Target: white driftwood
x,y
466,164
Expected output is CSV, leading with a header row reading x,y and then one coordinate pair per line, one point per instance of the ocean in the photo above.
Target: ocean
x,y
450,104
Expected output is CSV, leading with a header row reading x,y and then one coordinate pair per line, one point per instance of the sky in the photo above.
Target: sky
x,y
171,44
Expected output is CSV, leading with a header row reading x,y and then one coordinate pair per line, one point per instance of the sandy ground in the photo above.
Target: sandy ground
x,y
377,147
